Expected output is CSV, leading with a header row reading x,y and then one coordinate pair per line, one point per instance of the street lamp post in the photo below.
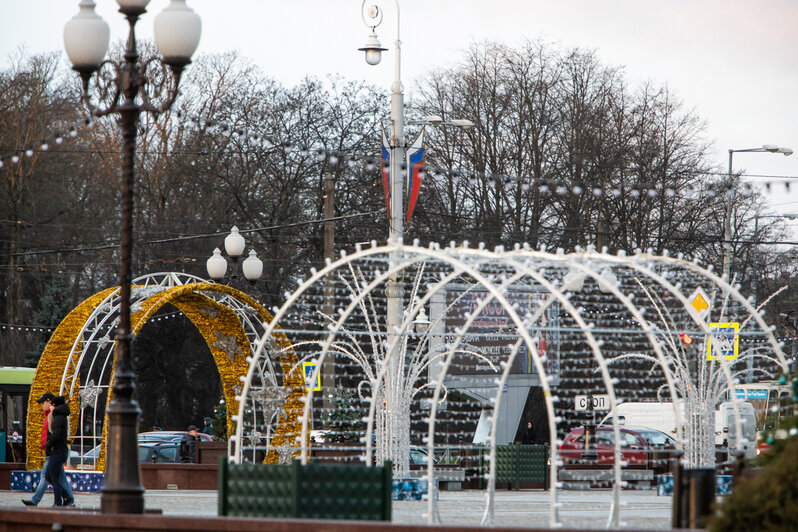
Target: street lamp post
x,y
86,37
372,17
727,245
234,245
373,52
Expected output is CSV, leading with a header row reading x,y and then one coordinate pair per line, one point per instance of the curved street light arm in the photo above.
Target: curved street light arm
x,y
159,83
131,80
103,88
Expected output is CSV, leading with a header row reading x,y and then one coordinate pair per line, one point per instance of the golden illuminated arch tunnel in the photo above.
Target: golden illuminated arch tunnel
x,y
227,319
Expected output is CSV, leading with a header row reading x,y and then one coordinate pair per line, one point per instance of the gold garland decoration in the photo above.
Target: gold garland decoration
x,y
49,373
288,432
190,301
227,324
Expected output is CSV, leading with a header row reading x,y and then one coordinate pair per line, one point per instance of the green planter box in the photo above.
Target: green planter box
x,y
312,491
520,464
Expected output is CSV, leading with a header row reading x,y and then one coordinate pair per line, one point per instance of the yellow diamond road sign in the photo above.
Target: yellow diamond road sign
x,y
699,305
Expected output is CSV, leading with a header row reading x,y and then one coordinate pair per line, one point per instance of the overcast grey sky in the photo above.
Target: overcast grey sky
x,y
733,61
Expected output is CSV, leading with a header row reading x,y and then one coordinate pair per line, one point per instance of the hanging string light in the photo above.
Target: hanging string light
x,y
369,161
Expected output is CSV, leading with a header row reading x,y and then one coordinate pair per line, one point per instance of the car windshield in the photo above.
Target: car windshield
x,y
607,437
747,420
145,454
167,435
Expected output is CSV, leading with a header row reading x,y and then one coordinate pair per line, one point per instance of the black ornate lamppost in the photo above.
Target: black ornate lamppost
x,y
86,37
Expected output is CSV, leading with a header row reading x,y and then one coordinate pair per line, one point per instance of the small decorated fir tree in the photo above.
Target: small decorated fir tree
x,y
345,421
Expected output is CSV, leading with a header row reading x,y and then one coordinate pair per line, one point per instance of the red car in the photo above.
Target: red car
x,y
637,445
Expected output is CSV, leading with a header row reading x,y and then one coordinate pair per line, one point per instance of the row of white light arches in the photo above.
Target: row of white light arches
x,y
511,258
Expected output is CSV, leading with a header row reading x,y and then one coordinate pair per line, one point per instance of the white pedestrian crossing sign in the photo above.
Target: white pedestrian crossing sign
x,y
724,341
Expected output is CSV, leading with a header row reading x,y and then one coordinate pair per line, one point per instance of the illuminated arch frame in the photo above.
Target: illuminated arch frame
x,y
211,308
519,259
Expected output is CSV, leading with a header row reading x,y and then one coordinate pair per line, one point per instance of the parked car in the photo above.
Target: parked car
x,y
87,461
162,446
169,435
418,456
639,446
159,453
662,416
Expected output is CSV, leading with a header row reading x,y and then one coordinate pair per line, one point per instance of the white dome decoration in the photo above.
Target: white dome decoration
x,y
234,243
86,38
253,266
216,265
177,32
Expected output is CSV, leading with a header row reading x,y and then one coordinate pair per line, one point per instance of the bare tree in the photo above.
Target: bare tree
x,y
564,153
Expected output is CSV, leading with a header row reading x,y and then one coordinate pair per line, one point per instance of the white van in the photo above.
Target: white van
x,y
725,427
661,416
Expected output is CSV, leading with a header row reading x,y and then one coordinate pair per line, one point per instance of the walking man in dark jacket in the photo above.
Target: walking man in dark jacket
x,y
56,449
188,446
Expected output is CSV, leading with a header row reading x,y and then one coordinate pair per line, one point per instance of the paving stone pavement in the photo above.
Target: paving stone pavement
x,y
525,508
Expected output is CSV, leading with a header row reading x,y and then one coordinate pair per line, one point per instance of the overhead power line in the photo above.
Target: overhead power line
x,y
191,237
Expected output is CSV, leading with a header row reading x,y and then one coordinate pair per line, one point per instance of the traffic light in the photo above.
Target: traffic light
x,y
686,338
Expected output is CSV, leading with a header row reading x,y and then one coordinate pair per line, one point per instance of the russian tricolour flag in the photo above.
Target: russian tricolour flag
x,y
415,166
386,171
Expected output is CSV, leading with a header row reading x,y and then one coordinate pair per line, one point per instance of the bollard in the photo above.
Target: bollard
x,y
738,465
679,492
701,488
693,493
